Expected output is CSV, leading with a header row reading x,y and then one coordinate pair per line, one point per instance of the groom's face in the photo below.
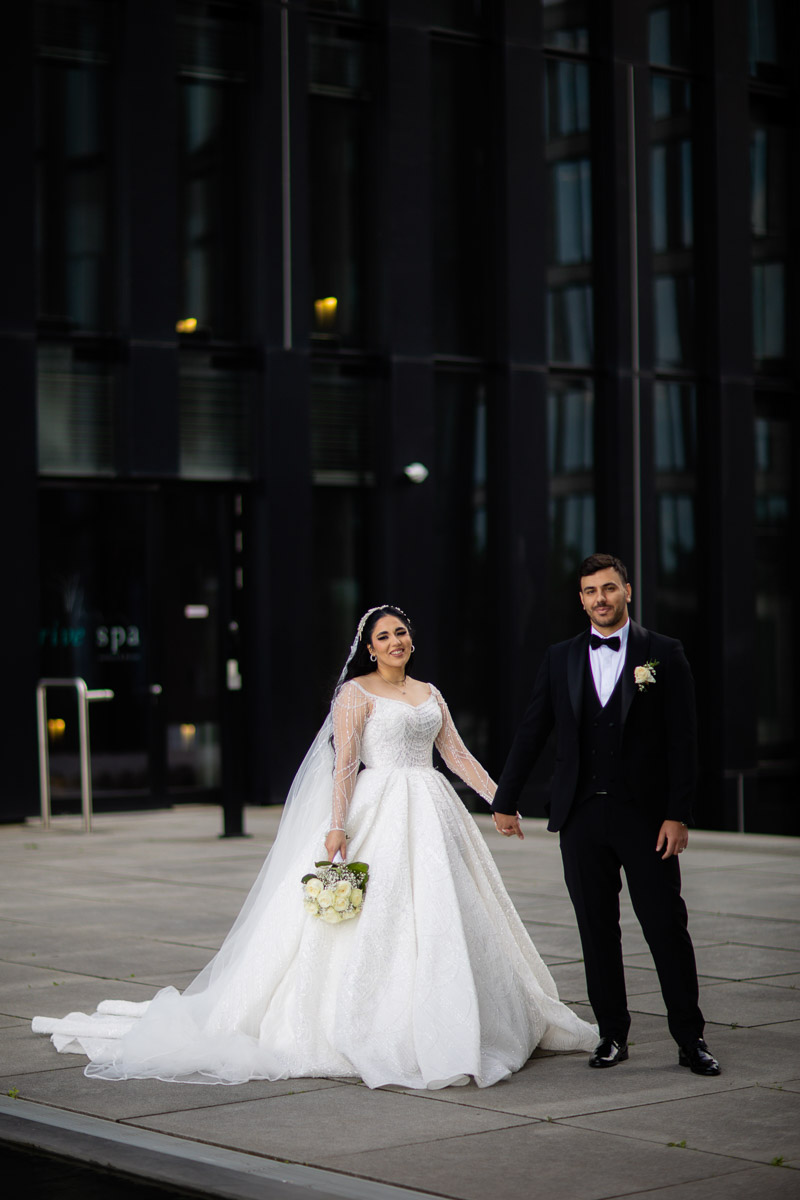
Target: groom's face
x,y
605,599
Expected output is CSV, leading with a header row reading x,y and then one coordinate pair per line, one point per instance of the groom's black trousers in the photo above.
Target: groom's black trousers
x,y
602,836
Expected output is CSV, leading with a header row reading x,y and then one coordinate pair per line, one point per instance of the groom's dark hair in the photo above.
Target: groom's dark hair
x,y
602,562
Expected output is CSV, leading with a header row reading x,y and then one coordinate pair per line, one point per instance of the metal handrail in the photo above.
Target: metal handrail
x,y
84,696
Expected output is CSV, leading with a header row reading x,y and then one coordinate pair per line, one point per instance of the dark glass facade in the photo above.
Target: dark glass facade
x,y
314,305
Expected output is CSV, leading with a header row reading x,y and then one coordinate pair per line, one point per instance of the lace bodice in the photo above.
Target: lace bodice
x,y
388,734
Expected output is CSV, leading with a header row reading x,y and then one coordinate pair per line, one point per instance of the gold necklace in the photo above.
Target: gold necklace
x,y
400,686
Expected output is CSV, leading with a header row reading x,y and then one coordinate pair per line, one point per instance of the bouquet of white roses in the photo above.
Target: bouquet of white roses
x,y
335,892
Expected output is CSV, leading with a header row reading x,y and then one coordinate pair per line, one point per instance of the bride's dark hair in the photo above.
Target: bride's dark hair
x,y
360,662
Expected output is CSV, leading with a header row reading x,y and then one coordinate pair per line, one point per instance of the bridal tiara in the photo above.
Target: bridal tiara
x,y
369,613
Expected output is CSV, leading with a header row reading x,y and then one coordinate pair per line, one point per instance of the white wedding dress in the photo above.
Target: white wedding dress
x,y
435,982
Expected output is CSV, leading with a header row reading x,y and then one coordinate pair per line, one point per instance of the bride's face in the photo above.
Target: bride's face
x,y
390,643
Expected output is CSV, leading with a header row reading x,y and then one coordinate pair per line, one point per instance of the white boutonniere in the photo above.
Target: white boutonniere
x,y
644,675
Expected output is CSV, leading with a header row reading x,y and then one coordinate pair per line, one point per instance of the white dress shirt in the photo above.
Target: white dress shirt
x,y
607,664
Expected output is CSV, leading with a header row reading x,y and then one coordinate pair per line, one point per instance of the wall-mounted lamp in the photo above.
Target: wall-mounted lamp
x,y
186,325
325,312
416,472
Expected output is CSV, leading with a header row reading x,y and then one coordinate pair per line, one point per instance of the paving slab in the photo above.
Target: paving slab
x,y
302,1126
528,1160
757,1124
738,1003
768,1183
743,931
136,1098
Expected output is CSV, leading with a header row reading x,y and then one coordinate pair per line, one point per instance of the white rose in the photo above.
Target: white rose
x,y
348,916
643,675
343,888
325,898
313,888
311,906
341,903
356,896
331,916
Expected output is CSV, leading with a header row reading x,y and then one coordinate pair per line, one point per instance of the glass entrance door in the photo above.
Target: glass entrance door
x,y
137,596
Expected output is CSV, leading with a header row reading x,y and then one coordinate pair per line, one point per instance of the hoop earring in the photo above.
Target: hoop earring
x,y
373,658
413,647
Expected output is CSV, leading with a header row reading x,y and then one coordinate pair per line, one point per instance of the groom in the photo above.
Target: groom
x,y
621,701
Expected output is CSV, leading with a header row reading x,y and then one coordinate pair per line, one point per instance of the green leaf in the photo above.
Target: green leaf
x,y
13,1092
306,878
325,863
776,1162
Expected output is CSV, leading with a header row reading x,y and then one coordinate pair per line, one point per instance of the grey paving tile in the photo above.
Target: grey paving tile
x,y
27,991
22,1052
116,958
538,1160
745,931
571,980
736,1003
756,1124
563,1085
303,1126
116,1101
768,1183
786,981
735,961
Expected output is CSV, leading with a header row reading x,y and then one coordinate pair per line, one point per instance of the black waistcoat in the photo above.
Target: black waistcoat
x,y
600,738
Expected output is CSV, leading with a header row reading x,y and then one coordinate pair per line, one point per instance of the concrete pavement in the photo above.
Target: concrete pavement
x,y
146,899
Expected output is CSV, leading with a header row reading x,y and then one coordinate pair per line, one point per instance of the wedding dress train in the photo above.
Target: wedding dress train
x,y
436,980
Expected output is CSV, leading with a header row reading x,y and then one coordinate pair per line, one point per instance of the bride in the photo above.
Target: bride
x,y
435,982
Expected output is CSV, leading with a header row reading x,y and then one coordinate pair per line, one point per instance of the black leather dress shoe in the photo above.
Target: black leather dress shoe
x,y
698,1058
607,1053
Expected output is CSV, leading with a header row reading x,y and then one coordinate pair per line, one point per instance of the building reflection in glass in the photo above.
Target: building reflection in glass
x,y
671,187
570,295
570,454
675,461
776,620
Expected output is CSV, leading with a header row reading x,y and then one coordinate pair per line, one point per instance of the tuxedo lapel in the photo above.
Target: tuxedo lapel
x,y
576,662
638,645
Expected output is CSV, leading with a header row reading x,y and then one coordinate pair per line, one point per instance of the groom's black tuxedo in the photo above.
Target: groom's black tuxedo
x,y
621,770
658,736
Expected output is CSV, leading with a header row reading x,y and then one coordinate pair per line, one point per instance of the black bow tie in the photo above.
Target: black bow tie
x,y
596,642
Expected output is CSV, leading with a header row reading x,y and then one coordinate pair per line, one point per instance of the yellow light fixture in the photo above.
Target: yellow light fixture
x,y
56,728
187,735
325,312
187,325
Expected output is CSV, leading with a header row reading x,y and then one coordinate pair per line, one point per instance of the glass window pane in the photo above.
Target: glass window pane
x,y
669,34
570,316
211,208
340,191
566,99
570,434
674,316
462,182
216,419
775,438
571,217
343,404
73,224
769,319
675,454
462,487
565,25
75,404
767,29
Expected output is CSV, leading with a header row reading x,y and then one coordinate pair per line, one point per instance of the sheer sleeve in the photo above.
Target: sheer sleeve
x,y
350,711
458,757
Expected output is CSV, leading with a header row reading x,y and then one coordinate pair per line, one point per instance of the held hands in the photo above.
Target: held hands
x,y
336,843
673,838
507,825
